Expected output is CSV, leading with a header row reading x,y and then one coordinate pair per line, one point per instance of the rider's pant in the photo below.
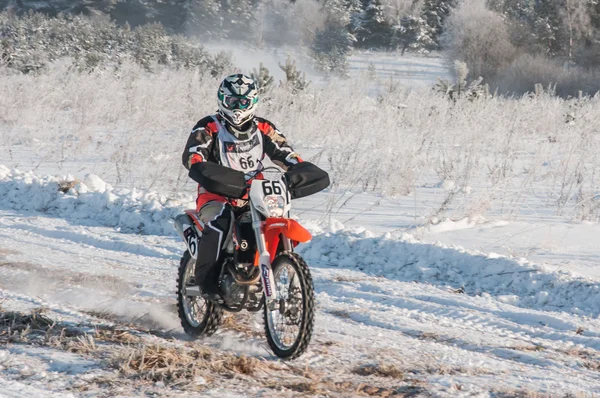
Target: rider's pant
x,y
218,225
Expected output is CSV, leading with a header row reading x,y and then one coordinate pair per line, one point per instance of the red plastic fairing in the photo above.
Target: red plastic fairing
x,y
274,227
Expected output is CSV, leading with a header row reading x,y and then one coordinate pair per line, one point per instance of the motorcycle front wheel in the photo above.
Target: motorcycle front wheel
x,y
198,316
289,322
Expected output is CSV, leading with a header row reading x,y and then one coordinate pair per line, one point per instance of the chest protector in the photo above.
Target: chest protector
x,y
240,155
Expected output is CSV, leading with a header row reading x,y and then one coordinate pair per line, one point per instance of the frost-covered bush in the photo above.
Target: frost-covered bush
x,y
527,71
294,79
462,88
480,38
538,153
263,78
515,46
30,42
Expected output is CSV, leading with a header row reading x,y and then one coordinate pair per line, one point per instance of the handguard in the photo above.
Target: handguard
x,y
219,179
306,179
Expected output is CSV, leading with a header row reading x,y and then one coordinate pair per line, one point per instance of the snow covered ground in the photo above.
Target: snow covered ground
x,y
395,314
409,70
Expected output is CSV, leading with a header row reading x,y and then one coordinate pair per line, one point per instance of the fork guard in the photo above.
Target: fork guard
x,y
276,227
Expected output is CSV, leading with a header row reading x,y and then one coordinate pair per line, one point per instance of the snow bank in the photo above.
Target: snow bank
x,y
395,256
402,257
91,200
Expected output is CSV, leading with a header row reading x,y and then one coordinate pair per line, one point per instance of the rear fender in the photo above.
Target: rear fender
x,y
276,227
189,228
194,216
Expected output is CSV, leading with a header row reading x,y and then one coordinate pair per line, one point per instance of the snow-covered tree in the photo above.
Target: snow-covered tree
x,y
371,28
413,32
331,46
238,18
338,12
204,18
434,13
555,28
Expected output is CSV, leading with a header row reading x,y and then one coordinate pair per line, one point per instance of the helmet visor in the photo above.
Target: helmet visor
x,y
232,102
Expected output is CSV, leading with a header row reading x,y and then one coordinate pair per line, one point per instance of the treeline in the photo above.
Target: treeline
x,y
511,44
558,28
30,42
330,29
371,23
517,44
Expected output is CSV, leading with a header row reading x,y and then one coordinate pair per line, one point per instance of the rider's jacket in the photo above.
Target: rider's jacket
x,y
210,141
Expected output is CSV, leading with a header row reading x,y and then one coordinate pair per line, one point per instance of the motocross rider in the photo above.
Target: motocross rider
x,y
237,139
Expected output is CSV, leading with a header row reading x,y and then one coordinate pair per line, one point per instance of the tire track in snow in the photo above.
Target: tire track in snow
x,y
82,238
357,342
440,325
476,312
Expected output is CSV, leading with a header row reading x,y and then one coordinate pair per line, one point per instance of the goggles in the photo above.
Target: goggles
x,y
236,102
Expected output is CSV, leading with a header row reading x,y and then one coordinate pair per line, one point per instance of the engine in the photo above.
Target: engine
x,y
232,292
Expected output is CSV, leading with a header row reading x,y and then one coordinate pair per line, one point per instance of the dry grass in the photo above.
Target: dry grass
x,y
20,327
143,322
189,366
20,265
81,344
116,335
528,348
159,363
592,365
183,365
590,358
6,252
37,328
307,382
340,314
241,323
452,370
331,388
404,391
65,185
432,337
127,352
506,393
381,370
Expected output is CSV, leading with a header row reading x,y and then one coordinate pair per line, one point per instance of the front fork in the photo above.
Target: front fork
x,y
264,258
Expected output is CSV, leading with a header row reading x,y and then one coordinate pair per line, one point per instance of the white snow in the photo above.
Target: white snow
x,y
92,200
401,257
463,321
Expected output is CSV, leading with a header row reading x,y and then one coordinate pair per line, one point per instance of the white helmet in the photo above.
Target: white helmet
x,y
238,96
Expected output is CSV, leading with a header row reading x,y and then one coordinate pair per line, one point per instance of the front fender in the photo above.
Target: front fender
x,y
291,229
288,228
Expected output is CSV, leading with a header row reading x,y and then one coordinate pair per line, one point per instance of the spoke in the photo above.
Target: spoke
x,y
194,307
286,327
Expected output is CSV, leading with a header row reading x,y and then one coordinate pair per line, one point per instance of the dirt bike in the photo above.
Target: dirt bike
x,y
259,268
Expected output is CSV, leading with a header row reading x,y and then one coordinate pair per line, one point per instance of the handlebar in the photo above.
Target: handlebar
x,y
303,179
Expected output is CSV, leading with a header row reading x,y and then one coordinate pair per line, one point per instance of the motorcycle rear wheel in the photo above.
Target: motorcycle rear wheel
x,y
289,326
198,316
